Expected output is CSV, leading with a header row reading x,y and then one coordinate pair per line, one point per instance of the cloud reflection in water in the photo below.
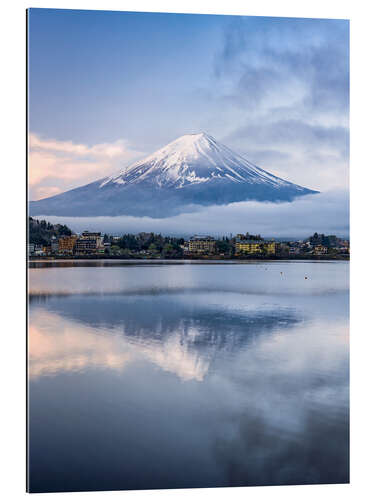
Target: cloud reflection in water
x,y
79,332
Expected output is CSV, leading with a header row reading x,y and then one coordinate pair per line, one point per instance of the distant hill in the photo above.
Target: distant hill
x,y
41,232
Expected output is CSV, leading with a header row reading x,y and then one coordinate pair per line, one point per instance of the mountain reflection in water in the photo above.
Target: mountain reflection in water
x,y
110,331
214,377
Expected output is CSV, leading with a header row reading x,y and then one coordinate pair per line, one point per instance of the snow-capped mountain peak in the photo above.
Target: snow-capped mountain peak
x,y
192,159
194,170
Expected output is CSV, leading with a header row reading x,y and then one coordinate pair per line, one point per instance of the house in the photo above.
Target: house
x,y
269,247
38,250
89,243
30,249
320,250
54,244
67,244
294,250
254,247
202,244
248,246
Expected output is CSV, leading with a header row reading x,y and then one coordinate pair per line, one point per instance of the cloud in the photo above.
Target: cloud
x,y
71,346
325,212
298,133
286,83
260,56
312,155
56,166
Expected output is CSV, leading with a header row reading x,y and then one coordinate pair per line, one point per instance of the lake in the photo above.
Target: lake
x,y
187,374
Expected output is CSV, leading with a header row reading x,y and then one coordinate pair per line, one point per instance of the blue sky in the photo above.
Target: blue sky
x,y
100,76
109,87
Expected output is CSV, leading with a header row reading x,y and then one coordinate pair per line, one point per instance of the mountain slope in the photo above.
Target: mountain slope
x,y
192,170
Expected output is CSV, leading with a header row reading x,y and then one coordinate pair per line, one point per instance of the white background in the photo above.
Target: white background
x,y
12,241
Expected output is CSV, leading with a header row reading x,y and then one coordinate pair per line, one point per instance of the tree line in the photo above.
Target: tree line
x,y
149,242
41,232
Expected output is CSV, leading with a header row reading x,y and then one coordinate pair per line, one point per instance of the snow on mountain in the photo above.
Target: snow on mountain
x,y
193,159
192,170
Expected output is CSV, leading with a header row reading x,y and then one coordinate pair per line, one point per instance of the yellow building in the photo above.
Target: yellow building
x,y
248,246
320,250
67,244
202,244
255,246
270,247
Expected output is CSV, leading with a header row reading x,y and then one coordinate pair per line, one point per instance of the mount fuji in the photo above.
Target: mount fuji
x,y
192,170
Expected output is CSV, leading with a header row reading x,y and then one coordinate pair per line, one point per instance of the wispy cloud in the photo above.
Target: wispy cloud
x,y
313,155
56,166
287,81
304,60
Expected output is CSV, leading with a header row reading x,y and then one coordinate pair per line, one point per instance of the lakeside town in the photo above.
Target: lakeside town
x,y
58,241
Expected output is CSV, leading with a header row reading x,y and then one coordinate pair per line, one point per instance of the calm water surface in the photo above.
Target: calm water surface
x,y
168,375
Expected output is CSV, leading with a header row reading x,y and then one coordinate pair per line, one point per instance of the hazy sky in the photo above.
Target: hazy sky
x,y
109,87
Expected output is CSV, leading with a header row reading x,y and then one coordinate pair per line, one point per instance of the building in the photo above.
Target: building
x,y
344,246
254,247
294,250
30,249
86,246
38,250
54,244
89,243
248,246
320,250
269,247
87,235
202,244
67,244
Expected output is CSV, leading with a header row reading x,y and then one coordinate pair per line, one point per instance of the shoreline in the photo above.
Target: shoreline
x,y
190,258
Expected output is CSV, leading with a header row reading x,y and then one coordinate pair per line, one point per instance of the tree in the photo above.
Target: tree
x,y
153,248
167,250
172,250
128,241
223,246
115,249
63,230
41,232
